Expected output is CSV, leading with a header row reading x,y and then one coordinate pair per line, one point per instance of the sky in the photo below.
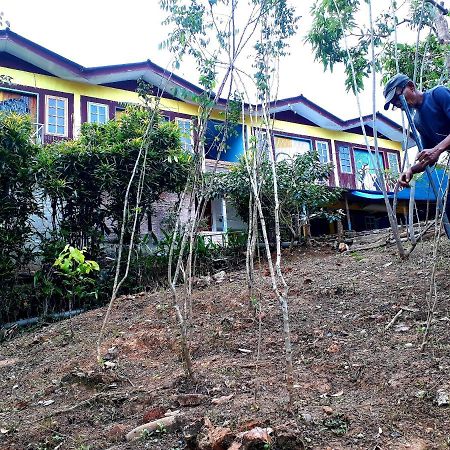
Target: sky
x,y
103,32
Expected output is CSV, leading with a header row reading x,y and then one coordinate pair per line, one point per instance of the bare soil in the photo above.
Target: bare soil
x,y
357,386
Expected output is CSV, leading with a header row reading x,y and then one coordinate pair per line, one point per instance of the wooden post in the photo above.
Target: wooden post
x,y
340,231
347,210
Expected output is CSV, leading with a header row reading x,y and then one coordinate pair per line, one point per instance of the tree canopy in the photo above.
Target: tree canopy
x,y
340,34
86,178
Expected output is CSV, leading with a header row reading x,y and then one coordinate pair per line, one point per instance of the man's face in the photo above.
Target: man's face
x,y
409,93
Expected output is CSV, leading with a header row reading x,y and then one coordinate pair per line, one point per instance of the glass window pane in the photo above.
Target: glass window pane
x,y
393,163
51,128
52,111
344,156
60,130
185,133
304,145
61,104
322,150
366,170
60,121
52,101
287,148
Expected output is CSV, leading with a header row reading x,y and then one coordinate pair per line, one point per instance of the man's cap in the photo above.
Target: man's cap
x,y
399,80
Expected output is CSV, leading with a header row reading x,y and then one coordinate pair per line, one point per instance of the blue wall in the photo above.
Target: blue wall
x,y
213,137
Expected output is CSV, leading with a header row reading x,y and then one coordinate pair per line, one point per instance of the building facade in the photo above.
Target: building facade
x,y
60,95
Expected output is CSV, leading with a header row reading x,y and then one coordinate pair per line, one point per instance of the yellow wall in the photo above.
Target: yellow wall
x,y
323,133
78,89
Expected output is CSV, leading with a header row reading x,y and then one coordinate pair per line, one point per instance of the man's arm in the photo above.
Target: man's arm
x,y
430,156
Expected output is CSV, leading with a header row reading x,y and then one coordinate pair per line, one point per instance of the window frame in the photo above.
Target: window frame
x,y
183,143
341,146
286,156
66,116
328,150
103,105
261,139
397,164
118,109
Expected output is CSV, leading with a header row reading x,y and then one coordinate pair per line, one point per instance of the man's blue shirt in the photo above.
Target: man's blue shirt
x,y
432,118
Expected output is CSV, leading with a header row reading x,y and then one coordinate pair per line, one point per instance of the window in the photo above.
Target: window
x,y
288,148
119,111
185,126
344,158
322,151
97,113
393,163
56,115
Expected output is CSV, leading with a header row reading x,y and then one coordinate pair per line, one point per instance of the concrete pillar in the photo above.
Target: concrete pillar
x,y
224,215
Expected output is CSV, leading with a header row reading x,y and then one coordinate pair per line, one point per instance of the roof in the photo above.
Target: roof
x,y
163,79
369,195
61,67
323,118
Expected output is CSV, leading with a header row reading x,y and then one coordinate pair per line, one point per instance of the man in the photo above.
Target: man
x,y
432,120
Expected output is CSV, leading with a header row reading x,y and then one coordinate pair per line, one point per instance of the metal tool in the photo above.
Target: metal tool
x,y
440,203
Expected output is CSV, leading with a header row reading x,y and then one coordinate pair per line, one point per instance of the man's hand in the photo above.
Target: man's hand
x,y
429,157
405,178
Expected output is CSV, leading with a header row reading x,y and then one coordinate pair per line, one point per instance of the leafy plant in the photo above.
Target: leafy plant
x,y
336,20
431,53
147,434
76,272
18,204
338,425
302,190
85,179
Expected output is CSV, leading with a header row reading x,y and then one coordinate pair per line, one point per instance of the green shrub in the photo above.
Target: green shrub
x,y
18,204
86,179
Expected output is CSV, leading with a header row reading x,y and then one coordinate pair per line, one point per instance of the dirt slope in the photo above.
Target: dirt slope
x,y
357,385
